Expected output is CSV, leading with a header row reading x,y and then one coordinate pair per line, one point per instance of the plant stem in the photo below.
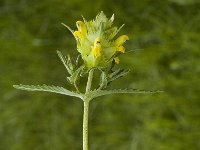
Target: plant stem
x,y
86,111
85,125
89,82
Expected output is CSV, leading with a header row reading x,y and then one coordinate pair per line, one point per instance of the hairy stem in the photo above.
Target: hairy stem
x,y
89,82
86,111
85,124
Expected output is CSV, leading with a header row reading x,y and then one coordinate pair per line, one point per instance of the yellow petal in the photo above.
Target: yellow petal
x,y
97,51
97,47
81,27
121,48
116,59
120,40
78,34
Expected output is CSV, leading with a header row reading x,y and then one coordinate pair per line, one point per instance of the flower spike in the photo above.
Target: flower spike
x,y
95,41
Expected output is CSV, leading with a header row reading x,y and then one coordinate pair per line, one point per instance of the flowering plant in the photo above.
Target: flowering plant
x,y
100,51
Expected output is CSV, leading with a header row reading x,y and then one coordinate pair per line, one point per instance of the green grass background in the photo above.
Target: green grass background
x,y
168,31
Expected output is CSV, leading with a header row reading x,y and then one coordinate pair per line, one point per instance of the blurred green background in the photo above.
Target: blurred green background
x,y
168,31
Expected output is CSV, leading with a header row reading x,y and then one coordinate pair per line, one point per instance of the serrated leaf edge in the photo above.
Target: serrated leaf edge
x,y
98,93
47,88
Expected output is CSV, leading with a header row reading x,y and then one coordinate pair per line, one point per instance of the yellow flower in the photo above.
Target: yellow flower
x,y
96,49
82,31
120,41
97,43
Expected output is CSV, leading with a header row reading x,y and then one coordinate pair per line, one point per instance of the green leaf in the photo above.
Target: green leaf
x,y
134,50
75,75
103,80
64,61
117,74
97,93
122,73
70,63
72,31
115,33
47,88
77,60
